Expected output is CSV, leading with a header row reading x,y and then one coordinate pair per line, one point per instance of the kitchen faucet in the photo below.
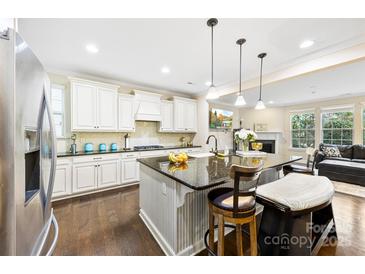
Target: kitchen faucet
x,y
216,143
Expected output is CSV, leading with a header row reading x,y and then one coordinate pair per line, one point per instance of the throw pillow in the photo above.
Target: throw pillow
x,y
332,152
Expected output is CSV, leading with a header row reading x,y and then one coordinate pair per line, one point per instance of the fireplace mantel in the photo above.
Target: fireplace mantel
x,y
270,135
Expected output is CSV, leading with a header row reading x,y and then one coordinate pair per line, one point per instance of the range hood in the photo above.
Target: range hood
x,y
147,106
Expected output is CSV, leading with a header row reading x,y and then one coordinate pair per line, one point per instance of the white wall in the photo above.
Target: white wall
x,y
278,119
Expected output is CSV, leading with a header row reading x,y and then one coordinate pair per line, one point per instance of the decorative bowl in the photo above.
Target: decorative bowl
x,y
256,146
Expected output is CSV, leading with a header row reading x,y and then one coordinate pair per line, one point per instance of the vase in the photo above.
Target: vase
x,y
245,146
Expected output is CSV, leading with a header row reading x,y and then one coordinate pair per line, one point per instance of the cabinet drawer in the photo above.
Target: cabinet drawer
x,y
129,155
96,157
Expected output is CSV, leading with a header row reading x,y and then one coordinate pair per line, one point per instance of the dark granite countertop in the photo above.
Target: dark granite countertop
x,y
203,173
82,153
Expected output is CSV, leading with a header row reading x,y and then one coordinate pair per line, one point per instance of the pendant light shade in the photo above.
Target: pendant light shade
x,y
212,92
260,104
240,101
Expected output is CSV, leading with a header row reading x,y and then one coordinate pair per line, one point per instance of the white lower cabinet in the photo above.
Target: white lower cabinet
x,y
63,181
130,168
108,173
83,174
84,177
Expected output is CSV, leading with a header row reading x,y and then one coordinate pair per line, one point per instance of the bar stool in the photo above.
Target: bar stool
x,y
308,168
235,205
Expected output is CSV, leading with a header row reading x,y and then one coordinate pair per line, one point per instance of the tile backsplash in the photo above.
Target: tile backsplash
x,y
146,134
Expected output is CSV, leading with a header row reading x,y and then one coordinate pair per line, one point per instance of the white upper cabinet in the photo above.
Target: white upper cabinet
x,y
190,116
84,104
185,114
107,109
167,116
93,106
126,120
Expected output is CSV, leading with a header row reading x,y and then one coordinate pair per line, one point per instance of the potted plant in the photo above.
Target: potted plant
x,y
245,136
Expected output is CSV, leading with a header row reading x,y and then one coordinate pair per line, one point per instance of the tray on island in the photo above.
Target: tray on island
x,y
251,153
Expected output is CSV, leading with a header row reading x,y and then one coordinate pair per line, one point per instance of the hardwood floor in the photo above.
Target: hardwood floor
x,y
108,224
103,224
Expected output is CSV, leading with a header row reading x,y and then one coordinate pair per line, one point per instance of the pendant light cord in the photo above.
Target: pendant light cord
x,y
211,83
240,69
261,77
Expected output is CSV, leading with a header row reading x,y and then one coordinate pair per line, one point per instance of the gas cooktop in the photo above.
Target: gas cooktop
x,y
147,147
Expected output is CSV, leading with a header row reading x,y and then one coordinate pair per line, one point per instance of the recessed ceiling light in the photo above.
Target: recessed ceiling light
x,y
208,83
306,44
92,48
165,70
270,102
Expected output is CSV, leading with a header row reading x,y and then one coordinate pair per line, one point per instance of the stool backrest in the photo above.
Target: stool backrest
x,y
244,175
311,153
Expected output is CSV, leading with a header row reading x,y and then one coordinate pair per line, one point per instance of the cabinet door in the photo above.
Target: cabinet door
x,y
179,115
167,116
84,177
63,181
107,109
130,171
190,118
84,107
126,114
108,173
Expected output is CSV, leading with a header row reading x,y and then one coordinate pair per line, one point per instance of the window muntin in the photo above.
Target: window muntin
x,y
58,108
302,127
337,127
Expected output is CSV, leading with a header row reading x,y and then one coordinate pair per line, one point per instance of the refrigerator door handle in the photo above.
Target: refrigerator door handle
x,y
54,151
54,242
39,249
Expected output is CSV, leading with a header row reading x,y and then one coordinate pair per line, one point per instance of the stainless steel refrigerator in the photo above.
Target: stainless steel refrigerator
x,y
27,151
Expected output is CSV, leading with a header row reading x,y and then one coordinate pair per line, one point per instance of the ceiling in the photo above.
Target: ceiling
x,y
338,82
134,50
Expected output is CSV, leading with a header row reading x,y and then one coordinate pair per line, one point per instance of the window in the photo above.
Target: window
x,y
337,126
58,106
302,129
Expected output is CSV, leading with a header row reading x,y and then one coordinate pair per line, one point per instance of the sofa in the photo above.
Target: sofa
x,y
347,167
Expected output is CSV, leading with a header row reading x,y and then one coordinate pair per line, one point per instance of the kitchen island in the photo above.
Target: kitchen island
x,y
173,200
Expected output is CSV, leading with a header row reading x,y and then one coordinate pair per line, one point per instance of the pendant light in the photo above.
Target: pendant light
x,y
260,104
212,92
240,101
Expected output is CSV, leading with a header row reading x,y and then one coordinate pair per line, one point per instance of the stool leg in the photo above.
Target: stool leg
x,y
239,240
253,237
220,235
211,229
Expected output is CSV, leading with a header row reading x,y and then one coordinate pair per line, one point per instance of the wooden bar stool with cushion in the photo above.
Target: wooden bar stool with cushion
x,y
235,205
303,169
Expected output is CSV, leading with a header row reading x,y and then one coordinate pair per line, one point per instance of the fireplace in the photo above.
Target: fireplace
x,y
267,145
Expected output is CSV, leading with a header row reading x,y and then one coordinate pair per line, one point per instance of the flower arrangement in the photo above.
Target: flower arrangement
x,y
245,136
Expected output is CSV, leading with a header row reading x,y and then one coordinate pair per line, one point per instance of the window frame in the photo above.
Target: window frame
x,y
302,111
345,108
63,88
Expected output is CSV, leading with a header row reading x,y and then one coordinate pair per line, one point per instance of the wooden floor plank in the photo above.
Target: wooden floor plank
x,y
108,223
